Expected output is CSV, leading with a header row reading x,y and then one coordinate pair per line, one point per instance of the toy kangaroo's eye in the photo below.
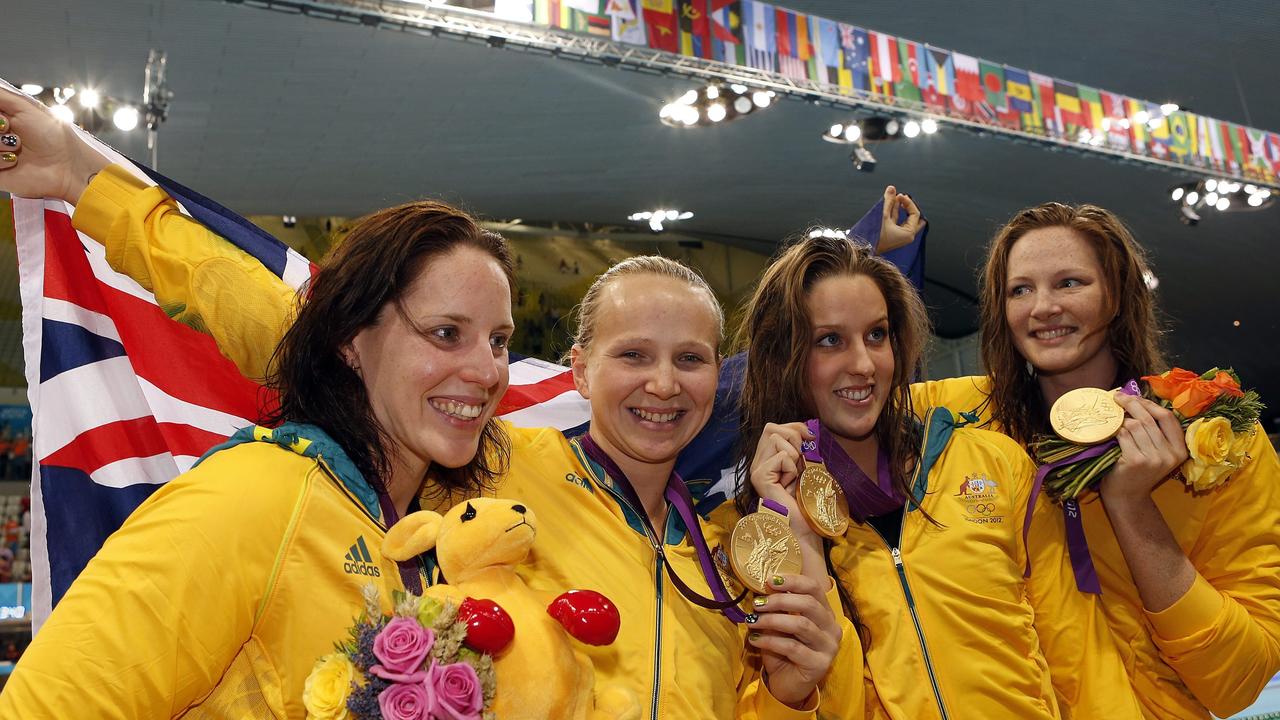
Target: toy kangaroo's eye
x,y
469,513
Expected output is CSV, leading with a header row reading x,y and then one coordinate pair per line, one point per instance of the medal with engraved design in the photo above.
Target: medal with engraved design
x,y
762,546
1087,416
822,502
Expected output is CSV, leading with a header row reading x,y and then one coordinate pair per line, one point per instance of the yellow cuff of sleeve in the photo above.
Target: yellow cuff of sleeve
x,y
1196,610
833,596
110,192
772,708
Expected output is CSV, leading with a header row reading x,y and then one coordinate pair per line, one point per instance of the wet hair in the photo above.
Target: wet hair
x,y
587,311
1133,335
371,269
777,334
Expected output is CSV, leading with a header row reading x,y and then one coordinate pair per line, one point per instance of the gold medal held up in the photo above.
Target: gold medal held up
x,y
822,502
763,546
1086,416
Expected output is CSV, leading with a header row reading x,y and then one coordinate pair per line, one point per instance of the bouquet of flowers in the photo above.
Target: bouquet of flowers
x,y
1220,421
430,660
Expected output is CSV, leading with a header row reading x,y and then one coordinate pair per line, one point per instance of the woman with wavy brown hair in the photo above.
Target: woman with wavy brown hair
x,y
216,596
1190,580
932,563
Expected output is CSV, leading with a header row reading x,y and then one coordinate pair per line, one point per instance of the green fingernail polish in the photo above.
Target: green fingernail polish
x,y
753,636
760,601
8,157
4,124
777,580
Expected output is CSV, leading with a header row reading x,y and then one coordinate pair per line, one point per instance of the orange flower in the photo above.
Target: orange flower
x,y
1168,384
1188,393
1195,398
1227,385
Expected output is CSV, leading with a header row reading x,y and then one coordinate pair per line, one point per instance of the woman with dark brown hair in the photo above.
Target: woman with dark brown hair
x,y
932,564
1190,580
219,592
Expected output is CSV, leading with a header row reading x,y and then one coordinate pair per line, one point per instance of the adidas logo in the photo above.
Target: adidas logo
x,y
359,562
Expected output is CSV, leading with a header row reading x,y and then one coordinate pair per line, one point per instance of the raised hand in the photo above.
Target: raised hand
x,y
775,474
892,234
41,156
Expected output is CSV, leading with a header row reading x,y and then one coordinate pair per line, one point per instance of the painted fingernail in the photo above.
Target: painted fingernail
x,y
9,140
8,157
760,601
777,580
753,637
4,123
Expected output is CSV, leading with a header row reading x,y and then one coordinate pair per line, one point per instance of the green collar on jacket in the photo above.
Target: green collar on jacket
x,y
309,441
937,433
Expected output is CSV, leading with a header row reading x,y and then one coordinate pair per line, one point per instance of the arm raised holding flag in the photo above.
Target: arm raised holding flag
x,y
197,276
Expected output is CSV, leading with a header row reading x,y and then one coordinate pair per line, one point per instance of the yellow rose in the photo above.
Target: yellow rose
x,y
1239,453
1209,440
1203,476
327,687
428,610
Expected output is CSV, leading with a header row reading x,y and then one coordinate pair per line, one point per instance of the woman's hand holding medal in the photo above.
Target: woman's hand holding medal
x,y
1152,446
797,635
797,632
775,475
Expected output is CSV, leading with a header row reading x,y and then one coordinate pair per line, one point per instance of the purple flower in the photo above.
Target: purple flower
x,y
457,693
405,701
402,645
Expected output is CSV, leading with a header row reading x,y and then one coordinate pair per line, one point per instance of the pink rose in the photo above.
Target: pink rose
x,y
402,645
457,693
418,676
405,701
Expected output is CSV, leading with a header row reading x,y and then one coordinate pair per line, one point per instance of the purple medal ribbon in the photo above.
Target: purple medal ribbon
x,y
409,573
775,506
677,493
865,498
1077,544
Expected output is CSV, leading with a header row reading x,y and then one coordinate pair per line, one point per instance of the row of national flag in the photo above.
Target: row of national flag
x,y
855,60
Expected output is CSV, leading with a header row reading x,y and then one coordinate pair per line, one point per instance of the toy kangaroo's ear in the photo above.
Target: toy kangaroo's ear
x,y
415,534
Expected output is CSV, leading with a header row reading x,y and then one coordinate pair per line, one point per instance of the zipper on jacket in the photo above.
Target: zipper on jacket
x,y
911,606
659,563
657,635
924,648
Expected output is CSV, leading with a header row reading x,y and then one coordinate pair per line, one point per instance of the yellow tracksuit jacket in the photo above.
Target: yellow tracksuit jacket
x,y
213,600
954,630
681,660
1216,647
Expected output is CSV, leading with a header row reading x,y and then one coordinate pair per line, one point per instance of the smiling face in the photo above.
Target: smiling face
x,y
436,366
851,362
1056,303
651,369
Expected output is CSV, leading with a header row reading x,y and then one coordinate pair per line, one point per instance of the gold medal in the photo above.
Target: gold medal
x,y
762,547
1087,416
822,502
724,568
